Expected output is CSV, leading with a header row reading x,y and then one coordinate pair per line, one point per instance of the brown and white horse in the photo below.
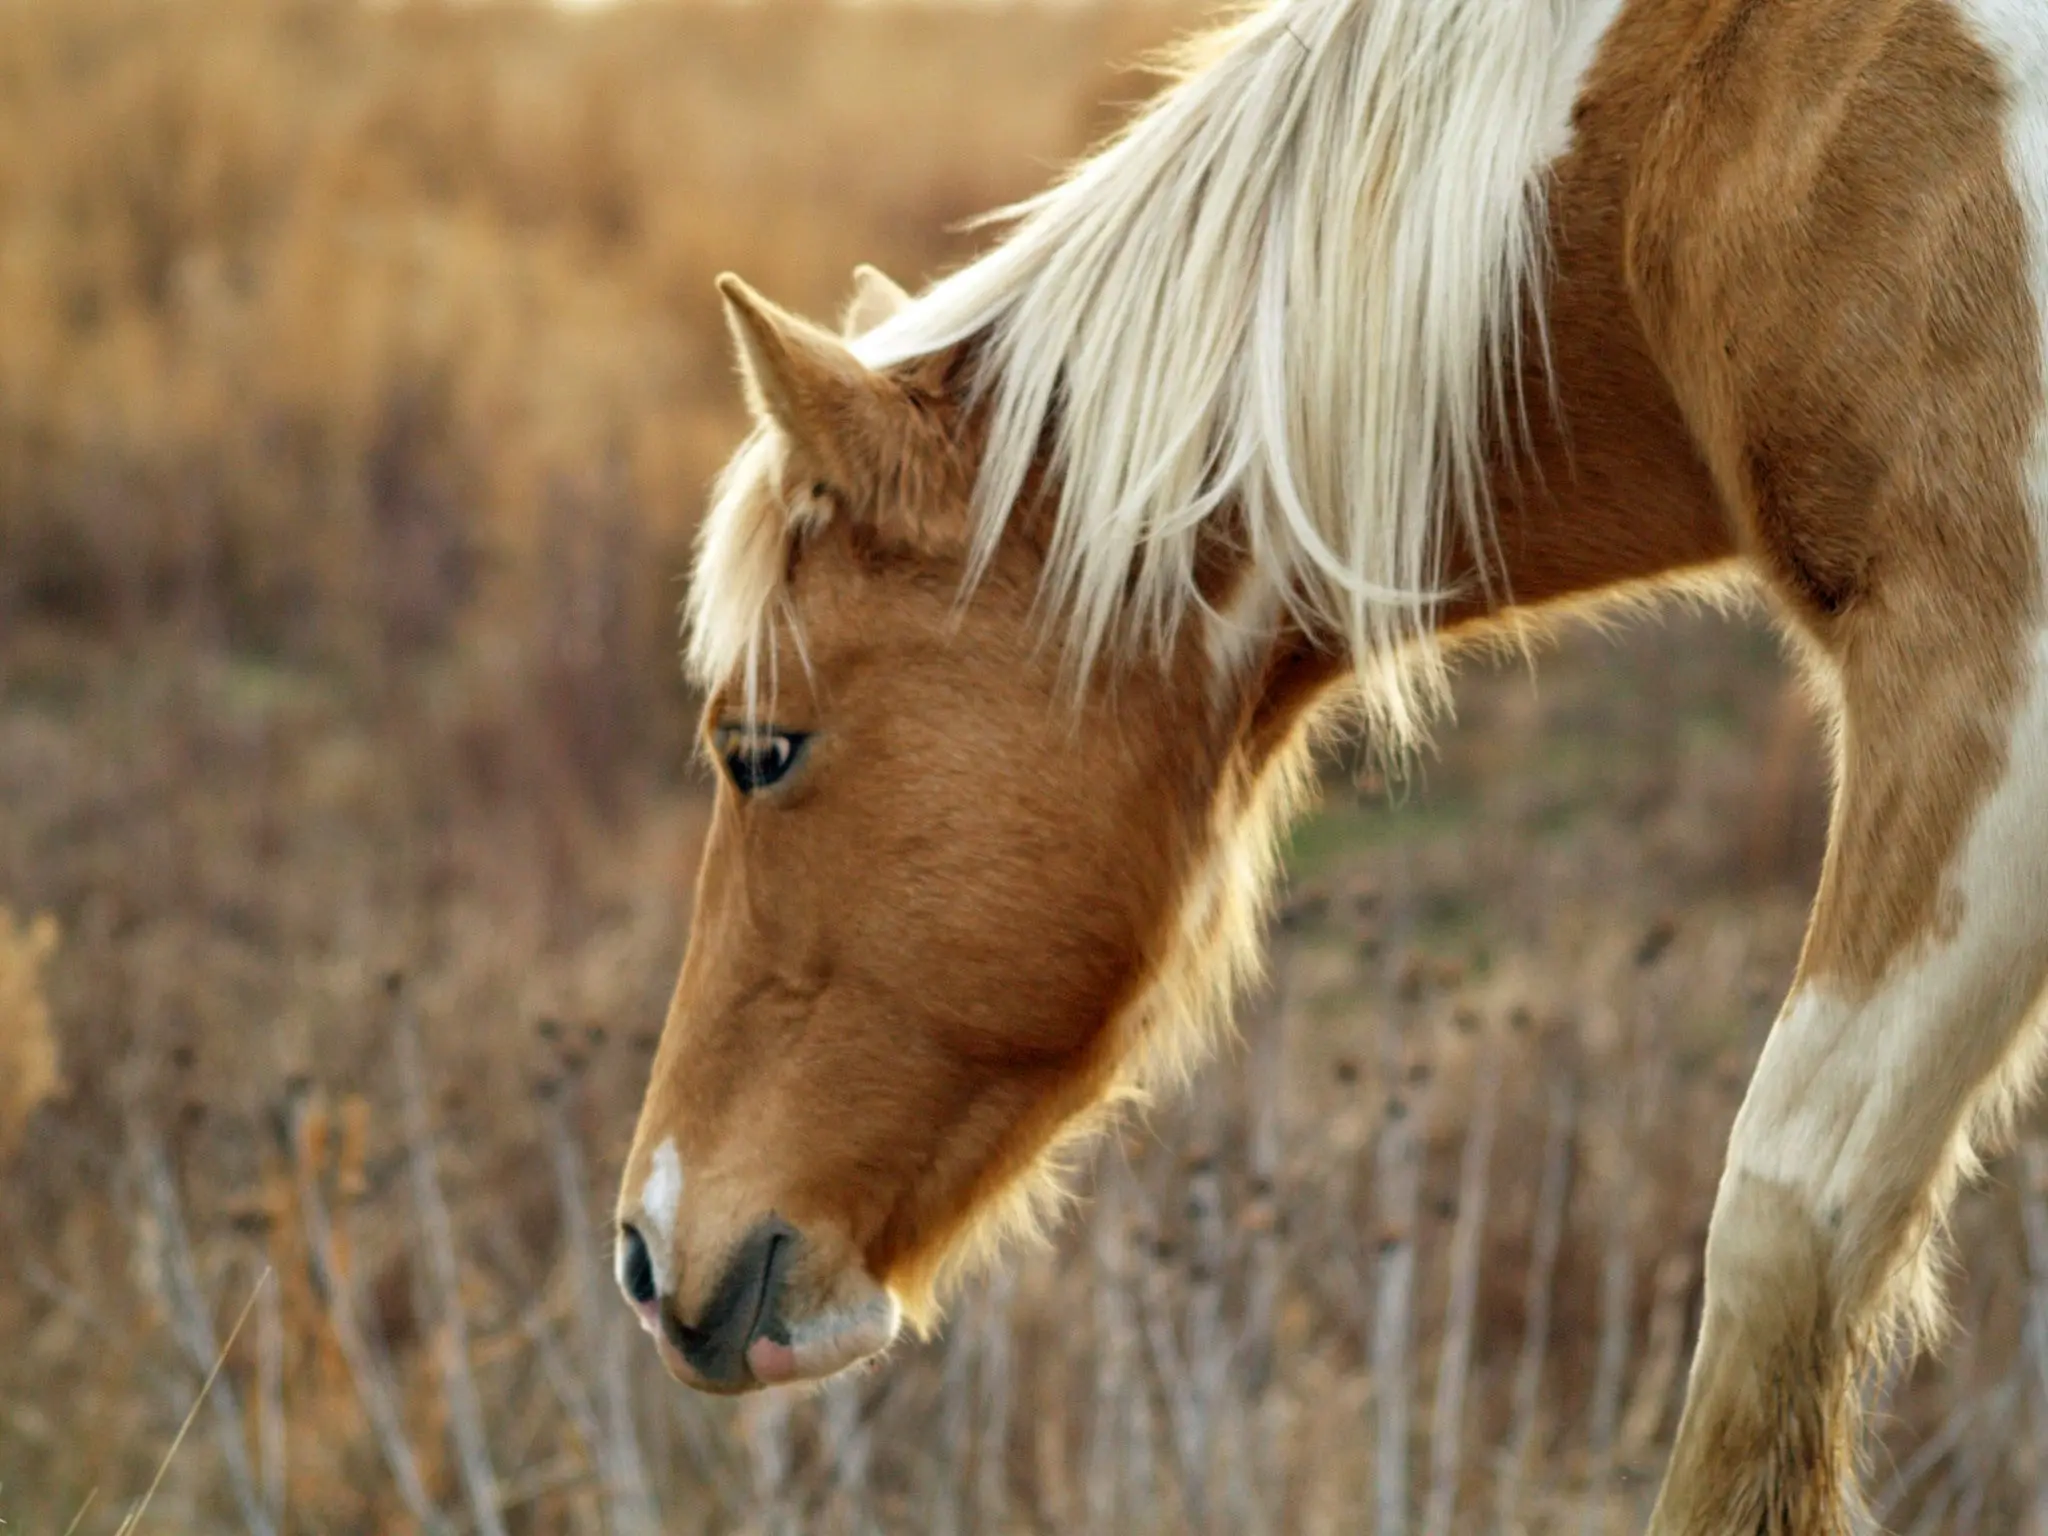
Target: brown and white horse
x,y
1392,325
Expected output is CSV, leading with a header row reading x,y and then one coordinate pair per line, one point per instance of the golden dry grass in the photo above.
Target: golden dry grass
x,y
328,327
360,374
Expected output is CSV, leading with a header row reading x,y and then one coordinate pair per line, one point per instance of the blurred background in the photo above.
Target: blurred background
x,y
360,379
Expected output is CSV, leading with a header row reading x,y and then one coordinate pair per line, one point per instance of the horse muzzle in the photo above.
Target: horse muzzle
x,y
761,1324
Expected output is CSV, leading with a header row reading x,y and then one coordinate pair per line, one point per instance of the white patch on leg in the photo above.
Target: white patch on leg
x,y
2015,33
659,1197
1852,1097
1843,1087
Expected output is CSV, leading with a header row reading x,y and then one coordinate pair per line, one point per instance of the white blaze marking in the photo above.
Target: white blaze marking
x,y
659,1197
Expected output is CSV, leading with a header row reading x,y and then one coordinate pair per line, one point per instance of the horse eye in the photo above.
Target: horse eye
x,y
758,759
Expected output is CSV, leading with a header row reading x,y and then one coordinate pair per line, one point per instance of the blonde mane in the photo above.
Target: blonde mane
x,y
1293,288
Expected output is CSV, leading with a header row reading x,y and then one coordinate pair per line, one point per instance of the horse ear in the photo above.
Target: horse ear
x,y
807,382
876,298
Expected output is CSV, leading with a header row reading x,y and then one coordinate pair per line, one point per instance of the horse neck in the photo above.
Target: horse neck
x,y
1597,487
1606,488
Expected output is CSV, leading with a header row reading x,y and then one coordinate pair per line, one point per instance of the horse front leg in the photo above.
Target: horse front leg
x,y
1903,1038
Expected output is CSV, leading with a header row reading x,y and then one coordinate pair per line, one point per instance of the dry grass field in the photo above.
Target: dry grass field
x,y
360,376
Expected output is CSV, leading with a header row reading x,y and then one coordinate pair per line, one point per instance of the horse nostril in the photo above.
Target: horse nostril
x,y
636,1268
746,1301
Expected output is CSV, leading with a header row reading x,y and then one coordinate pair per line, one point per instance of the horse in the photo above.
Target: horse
x,y
1390,328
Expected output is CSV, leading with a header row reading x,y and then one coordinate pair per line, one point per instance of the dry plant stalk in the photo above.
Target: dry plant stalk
x,y
297,1356
1617,1304
465,1407
1447,1419
1936,1451
846,1454
1397,1181
1663,1357
134,1517
766,1421
992,1462
2033,1191
602,1340
1255,1494
368,1370
191,1320
947,1515
272,1454
1161,1300
308,1161
1546,1242
28,1043
1109,1349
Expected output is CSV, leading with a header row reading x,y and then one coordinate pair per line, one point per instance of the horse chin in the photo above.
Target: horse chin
x,y
827,1343
861,1324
